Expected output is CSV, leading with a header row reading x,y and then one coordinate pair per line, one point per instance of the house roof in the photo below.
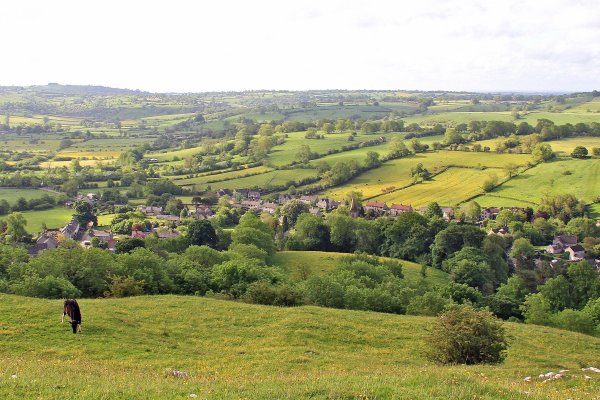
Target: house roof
x,y
567,239
401,207
576,248
375,204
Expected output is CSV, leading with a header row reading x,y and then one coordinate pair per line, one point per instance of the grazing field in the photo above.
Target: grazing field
x,y
169,155
301,264
223,176
566,146
286,153
12,195
448,188
53,218
595,210
578,177
235,350
273,178
454,118
395,174
491,200
42,146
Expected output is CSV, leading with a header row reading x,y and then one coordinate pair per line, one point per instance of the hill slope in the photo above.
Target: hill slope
x,y
233,350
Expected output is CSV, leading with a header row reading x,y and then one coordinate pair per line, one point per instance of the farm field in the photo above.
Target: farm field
x,y
454,118
583,181
566,146
42,146
299,263
448,188
397,173
235,350
595,210
12,195
53,218
223,176
273,178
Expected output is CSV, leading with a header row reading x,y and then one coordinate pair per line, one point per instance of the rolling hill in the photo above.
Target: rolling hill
x,y
129,347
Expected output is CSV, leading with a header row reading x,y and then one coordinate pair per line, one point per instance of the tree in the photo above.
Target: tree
x,y
420,173
523,253
398,148
490,183
542,152
201,232
372,159
292,210
579,152
128,245
311,233
304,154
463,335
84,213
15,226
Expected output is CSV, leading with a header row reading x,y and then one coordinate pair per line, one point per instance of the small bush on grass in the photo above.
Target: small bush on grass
x,y
463,335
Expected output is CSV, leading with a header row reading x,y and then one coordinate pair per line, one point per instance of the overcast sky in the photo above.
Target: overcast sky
x,y
188,46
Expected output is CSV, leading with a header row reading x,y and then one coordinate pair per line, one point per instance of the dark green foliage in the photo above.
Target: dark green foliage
x,y
129,244
201,232
84,213
454,238
463,335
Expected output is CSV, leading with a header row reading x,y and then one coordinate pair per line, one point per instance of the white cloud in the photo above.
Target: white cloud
x,y
230,45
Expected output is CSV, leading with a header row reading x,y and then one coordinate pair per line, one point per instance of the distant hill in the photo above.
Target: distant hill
x,y
233,350
82,90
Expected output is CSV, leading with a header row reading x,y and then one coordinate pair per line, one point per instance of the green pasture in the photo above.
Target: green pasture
x,y
302,264
273,178
233,350
578,177
223,176
12,195
53,218
448,188
395,174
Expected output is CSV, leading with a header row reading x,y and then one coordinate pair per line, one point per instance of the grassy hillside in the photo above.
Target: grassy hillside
x,y
578,177
300,264
233,350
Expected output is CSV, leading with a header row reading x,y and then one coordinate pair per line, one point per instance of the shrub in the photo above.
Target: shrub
x,y
124,286
463,335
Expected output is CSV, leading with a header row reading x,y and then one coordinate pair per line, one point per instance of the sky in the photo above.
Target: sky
x,y
223,45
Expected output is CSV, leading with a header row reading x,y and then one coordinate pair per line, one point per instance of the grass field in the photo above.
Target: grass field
x,y
454,118
273,178
223,176
448,188
550,178
309,263
397,173
12,195
53,218
595,210
233,350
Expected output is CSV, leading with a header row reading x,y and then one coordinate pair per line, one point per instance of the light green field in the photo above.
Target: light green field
x,y
490,200
242,351
54,218
272,178
286,153
224,176
168,156
43,145
566,146
12,195
395,174
563,146
453,118
310,263
448,188
549,179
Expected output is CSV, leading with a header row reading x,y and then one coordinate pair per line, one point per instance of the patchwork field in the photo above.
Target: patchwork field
x,y
448,188
273,178
301,264
578,177
12,195
235,350
223,176
54,218
395,174
454,118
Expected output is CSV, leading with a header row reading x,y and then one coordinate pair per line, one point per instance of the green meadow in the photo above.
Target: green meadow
x,y
449,188
12,195
578,177
232,350
302,264
53,218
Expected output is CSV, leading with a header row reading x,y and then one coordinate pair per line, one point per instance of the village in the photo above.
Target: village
x,y
563,247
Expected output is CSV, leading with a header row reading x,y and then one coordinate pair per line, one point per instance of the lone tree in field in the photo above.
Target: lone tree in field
x,y
579,152
463,335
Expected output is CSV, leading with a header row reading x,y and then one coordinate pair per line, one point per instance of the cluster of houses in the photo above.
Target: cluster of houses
x,y
50,238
